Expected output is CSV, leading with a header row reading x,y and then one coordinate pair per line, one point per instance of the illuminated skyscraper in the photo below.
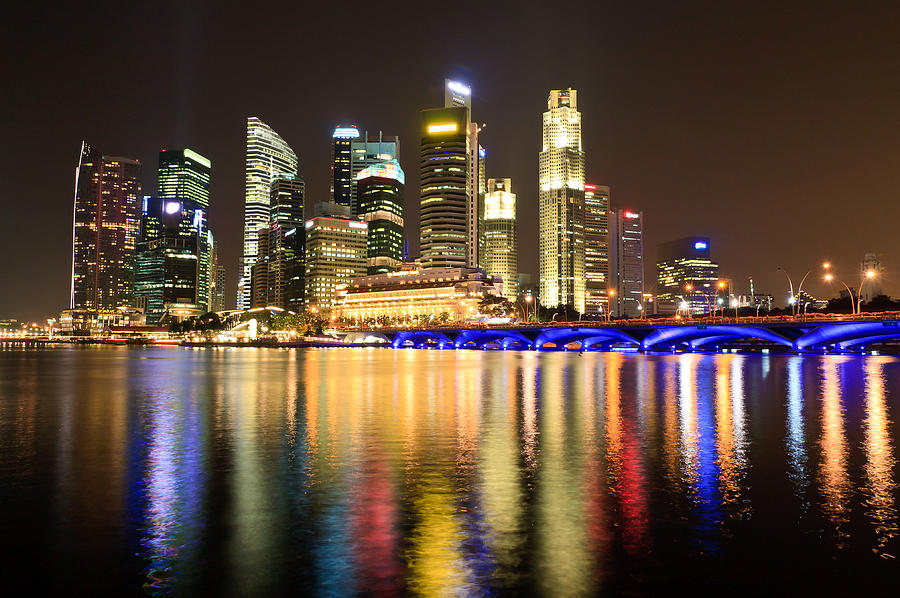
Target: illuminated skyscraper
x,y
500,246
686,274
596,248
268,156
449,198
184,174
561,203
380,189
341,171
168,257
626,262
105,230
364,153
286,244
335,254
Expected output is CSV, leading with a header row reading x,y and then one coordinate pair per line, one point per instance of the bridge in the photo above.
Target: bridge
x,y
791,335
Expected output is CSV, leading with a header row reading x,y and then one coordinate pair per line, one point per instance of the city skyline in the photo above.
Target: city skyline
x,y
662,155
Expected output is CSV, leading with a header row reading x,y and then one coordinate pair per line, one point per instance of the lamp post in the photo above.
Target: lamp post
x,y
610,293
791,299
829,277
527,303
868,275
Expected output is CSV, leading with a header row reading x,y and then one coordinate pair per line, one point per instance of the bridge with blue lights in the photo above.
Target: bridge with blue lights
x,y
788,336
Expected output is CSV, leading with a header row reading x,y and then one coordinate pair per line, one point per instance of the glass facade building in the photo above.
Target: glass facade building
x,y
105,230
168,257
380,189
626,263
500,244
335,255
686,274
341,171
184,174
596,248
267,156
561,203
367,152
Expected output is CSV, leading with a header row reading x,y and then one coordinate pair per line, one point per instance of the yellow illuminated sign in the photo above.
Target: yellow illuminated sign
x,y
442,128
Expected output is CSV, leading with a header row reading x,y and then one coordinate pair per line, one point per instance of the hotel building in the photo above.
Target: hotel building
x,y
436,293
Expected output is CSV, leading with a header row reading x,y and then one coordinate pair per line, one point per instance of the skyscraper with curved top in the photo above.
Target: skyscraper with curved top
x,y
268,156
561,203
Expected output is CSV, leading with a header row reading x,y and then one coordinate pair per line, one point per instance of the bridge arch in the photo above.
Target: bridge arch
x,y
482,337
420,337
698,335
564,336
848,334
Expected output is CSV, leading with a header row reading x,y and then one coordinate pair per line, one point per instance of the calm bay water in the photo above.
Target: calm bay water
x,y
254,472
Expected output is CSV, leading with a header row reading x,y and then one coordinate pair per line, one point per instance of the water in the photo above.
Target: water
x,y
254,472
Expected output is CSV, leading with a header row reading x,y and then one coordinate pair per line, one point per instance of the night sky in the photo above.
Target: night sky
x,y
772,129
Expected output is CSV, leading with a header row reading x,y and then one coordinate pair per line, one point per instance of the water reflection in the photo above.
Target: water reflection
x,y
833,476
880,462
381,472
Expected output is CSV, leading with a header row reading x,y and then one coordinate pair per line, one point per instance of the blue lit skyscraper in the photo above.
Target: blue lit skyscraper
x,y
341,172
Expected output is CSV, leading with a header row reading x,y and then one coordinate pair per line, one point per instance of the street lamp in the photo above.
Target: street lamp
x,y
829,277
869,274
611,293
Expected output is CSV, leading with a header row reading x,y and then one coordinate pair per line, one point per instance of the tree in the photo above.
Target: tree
x,y
496,306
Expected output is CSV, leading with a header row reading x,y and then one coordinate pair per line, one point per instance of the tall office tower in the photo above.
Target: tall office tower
x,y
259,273
104,231
380,189
286,243
449,163
596,248
364,153
335,255
168,257
341,175
626,262
685,273
561,203
500,246
184,174
873,286
268,155
217,287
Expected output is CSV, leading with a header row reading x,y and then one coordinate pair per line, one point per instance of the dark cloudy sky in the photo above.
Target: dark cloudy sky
x,y
773,128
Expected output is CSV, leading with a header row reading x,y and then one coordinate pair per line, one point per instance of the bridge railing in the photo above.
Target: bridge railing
x,y
643,322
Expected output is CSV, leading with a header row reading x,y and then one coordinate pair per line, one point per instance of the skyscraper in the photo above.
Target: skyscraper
x,y
596,248
500,245
286,244
185,174
168,257
364,153
105,230
561,203
380,192
685,273
335,254
626,263
341,174
268,155
450,165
